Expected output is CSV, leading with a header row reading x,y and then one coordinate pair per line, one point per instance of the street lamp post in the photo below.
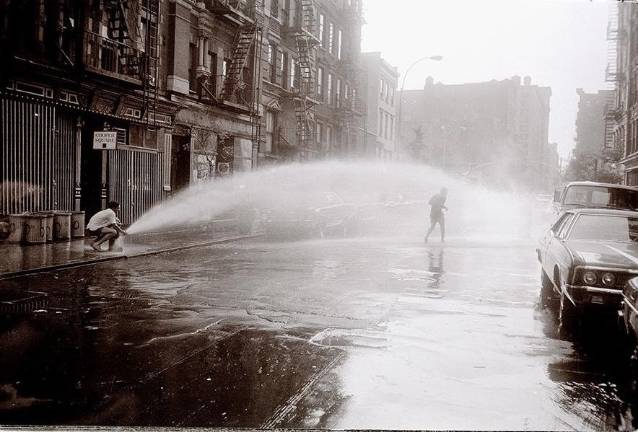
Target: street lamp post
x,y
405,75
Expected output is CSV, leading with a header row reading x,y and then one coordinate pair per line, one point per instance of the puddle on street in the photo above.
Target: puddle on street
x,y
221,339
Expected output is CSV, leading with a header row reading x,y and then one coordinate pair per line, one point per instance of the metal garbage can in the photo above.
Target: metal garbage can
x,y
77,224
48,224
35,228
16,228
61,225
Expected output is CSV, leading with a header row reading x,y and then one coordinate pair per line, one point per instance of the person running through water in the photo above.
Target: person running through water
x,y
437,205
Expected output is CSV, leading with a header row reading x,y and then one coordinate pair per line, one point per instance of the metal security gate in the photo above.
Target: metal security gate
x,y
37,155
135,181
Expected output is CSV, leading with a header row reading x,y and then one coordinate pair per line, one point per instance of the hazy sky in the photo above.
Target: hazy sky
x,y
559,43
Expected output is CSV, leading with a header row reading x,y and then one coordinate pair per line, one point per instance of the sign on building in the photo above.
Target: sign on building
x,y
104,140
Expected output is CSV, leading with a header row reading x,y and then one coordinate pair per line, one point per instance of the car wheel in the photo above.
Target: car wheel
x,y
547,297
567,315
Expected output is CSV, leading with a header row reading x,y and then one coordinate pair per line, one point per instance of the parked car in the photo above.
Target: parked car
x,y
318,215
595,195
586,257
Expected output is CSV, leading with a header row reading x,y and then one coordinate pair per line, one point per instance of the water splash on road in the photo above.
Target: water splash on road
x,y
391,197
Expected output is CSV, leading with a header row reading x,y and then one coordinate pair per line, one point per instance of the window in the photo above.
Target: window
x,y
381,88
329,88
380,122
322,23
319,133
272,76
391,95
192,79
338,93
339,35
270,128
331,34
293,70
328,137
320,83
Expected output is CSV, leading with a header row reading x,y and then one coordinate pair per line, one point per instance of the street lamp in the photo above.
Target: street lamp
x,y
405,75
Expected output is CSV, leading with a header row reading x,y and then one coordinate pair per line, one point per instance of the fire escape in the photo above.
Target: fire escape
x,y
131,49
305,41
249,39
614,79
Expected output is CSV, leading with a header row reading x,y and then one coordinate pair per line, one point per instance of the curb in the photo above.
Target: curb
x,y
72,264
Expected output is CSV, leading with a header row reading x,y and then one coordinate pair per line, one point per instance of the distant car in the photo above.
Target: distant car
x,y
318,215
586,257
587,194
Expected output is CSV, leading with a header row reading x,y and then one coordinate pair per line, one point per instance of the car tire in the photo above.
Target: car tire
x,y
568,316
547,297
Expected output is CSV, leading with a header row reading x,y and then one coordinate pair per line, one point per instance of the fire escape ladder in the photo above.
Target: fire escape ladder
x,y
117,25
149,71
243,42
304,122
305,60
308,16
612,75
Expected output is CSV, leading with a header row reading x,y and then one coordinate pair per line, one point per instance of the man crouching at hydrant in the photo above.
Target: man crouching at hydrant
x,y
105,226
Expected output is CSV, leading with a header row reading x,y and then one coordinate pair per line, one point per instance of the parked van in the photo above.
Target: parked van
x,y
595,195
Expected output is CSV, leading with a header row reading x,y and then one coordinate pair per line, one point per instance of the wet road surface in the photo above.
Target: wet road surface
x,y
331,334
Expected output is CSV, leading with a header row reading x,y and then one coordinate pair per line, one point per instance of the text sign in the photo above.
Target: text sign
x,y
104,140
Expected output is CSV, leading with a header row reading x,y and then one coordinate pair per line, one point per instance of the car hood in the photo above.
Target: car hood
x,y
605,254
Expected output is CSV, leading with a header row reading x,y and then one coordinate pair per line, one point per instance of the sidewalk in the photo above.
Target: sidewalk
x,y
19,259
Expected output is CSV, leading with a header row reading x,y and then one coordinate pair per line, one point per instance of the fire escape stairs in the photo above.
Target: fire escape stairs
x,y
243,43
304,123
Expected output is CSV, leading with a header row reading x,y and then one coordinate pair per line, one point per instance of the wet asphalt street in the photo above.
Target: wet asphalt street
x,y
332,334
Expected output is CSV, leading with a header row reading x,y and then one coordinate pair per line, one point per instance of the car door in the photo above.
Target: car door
x,y
554,251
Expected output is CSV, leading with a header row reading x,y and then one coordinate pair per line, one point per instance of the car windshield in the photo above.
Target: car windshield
x,y
601,196
604,227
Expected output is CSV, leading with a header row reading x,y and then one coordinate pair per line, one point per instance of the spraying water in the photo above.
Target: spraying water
x,y
394,195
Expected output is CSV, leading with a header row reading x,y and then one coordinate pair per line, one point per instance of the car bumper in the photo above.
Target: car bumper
x,y
586,295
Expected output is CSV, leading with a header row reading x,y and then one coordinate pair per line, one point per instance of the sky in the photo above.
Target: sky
x,y
558,43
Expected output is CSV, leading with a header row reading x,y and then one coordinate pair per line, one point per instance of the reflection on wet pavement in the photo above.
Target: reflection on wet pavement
x,y
309,334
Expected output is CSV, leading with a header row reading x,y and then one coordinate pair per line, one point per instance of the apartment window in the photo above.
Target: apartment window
x,y
320,83
322,24
270,58
381,85
192,79
319,133
293,69
391,134
339,35
328,137
212,81
391,95
270,129
283,66
380,122
331,35
338,93
329,88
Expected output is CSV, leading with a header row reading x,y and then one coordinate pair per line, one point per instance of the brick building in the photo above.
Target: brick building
x,y
190,89
496,132
379,84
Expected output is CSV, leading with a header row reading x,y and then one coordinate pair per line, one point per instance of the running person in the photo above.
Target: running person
x,y
437,205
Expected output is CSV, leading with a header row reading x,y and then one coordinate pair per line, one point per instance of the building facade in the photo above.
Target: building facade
x,y
494,132
188,91
379,83
310,86
622,116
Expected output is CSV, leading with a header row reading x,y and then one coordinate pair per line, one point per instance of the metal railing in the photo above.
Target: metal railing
x,y
107,55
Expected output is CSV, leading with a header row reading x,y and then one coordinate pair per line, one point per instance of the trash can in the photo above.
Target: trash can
x,y
35,228
48,224
16,228
61,225
77,224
